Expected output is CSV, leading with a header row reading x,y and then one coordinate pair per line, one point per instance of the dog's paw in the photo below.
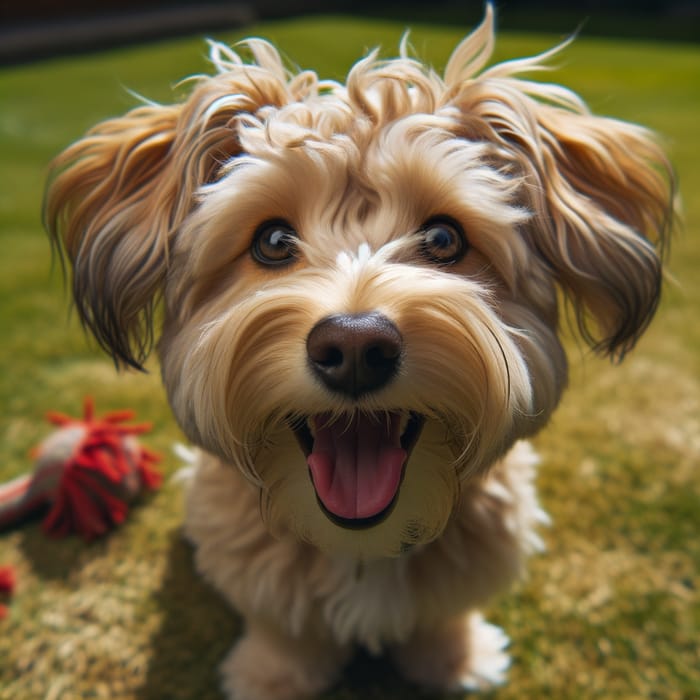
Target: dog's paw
x,y
259,670
488,662
466,654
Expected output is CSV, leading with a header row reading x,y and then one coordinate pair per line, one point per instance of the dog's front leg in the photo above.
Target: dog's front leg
x,y
267,664
462,653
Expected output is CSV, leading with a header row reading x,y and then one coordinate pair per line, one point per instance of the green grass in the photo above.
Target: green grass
x,y
610,611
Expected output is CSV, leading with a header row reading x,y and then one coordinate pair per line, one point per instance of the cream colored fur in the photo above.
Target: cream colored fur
x,y
166,202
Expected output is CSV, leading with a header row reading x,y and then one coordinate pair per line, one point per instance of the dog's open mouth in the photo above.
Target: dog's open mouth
x,y
357,461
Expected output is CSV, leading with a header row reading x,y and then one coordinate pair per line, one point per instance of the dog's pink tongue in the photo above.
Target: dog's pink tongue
x,y
356,464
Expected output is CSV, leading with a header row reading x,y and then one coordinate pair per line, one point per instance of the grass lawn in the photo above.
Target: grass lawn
x,y
610,611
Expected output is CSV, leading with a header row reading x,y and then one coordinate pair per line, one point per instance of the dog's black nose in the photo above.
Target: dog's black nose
x,y
354,354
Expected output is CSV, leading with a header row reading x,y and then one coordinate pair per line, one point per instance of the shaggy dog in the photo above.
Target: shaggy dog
x,y
360,288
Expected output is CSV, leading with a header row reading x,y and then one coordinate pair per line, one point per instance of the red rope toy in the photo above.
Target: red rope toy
x,y
87,472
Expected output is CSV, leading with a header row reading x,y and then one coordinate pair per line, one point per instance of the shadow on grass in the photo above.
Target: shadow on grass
x,y
197,631
54,562
374,678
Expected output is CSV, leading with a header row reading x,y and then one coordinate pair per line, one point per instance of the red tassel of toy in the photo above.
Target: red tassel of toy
x,y
89,471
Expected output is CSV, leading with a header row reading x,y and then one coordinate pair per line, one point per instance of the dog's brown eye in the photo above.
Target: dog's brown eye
x,y
443,241
275,243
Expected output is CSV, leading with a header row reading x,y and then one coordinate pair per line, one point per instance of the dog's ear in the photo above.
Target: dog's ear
x,y
112,202
116,198
600,190
602,195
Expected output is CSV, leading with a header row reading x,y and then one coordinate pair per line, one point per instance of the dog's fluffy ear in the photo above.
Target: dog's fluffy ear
x,y
116,197
603,204
112,201
600,190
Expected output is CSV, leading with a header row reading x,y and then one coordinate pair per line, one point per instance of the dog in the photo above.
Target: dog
x,y
358,290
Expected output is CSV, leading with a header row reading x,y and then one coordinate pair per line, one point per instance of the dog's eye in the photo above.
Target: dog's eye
x,y
443,241
274,243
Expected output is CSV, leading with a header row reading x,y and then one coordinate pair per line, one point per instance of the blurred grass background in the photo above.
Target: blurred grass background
x,y
610,611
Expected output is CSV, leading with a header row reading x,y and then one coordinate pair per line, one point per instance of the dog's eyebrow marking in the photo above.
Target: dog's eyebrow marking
x,y
364,253
351,261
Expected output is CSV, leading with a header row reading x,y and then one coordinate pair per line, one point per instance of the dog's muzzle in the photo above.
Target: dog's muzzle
x,y
357,459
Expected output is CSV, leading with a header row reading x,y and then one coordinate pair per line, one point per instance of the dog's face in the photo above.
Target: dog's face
x,y
344,319
361,281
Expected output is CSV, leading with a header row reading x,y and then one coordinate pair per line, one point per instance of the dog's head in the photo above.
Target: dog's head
x,y
361,281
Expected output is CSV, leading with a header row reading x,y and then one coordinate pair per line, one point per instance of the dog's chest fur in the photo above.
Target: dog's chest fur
x,y
373,604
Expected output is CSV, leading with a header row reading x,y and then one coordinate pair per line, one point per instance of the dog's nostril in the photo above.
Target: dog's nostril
x,y
380,355
327,356
354,354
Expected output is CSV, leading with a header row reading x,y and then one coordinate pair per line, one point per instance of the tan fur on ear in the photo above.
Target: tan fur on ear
x,y
116,198
604,205
600,190
110,204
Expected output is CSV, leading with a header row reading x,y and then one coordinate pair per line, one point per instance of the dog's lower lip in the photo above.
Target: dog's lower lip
x,y
358,523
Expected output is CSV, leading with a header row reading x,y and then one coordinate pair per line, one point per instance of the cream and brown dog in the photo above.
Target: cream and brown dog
x,y
360,287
